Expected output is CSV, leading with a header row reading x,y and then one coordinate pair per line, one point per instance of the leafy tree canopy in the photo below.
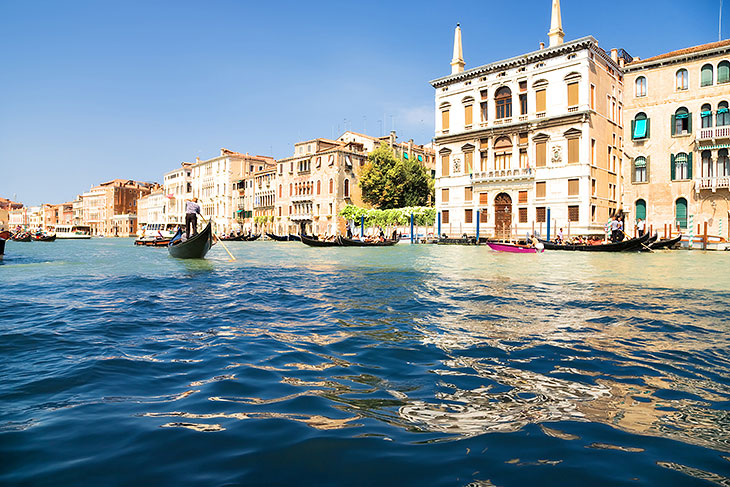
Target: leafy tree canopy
x,y
422,215
390,182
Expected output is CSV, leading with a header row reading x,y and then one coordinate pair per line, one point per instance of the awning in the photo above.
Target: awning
x,y
706,113
681,115
640,129
710,147
640,163
722,110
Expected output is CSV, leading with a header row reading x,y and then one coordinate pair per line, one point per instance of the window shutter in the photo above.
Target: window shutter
x,y
647,167
633,124
647,128
673,170
633,170
540,101
674,127
689,165
689,123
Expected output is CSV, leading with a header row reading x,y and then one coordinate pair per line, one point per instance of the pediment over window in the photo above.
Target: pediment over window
x,y
467,148
572,133
541,83
467,99
541,137
573,76
445,151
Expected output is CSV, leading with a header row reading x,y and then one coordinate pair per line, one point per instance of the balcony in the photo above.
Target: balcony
x,y
524,173
712,183
302,197
714,133
300,216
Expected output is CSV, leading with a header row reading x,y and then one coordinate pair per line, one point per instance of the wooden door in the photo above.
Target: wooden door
x,y
503,216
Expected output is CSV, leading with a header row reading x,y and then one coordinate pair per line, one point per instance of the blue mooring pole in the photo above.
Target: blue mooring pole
x,y
411,227
362,227
439,224
477,227
548,225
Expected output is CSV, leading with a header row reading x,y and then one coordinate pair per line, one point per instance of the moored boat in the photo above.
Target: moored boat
x,y
193,248
623,246
313,242
294,238
513,248
666,243
251,238
351,242
278,238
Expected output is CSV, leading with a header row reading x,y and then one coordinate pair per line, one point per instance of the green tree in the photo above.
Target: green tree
x,y
390,182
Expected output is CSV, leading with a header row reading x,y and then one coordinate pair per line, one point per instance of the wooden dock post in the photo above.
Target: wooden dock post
x,y
704,238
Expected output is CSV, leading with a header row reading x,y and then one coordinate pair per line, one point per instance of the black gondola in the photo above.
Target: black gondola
x,y
251,238
2,247
312,242
44,238
278,238
349,242
233,238
624,246
666,243
193,248
21,237
294,238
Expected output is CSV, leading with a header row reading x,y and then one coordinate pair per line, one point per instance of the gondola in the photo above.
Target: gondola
x,y
2,247
312,242
666,243
44,238
624,246
193,248
251,238
21,237
294,238
349,242
233,238
5,235
278,238
513,248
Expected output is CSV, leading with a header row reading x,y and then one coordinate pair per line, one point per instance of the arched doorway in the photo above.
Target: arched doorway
x,y
503,216
680,213
640,209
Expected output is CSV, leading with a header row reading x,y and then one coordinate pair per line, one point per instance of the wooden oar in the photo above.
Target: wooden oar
x,y
218,239
642,243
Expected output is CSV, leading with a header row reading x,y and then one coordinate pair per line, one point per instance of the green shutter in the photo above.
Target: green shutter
x,y
681,212
633,171
689,165
672,168
639,129
647,128
674,127
723,72
633,130
647,168
706,76
689,123
641,210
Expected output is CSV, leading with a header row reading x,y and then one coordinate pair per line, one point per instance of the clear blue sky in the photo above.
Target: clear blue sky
x,y
96,90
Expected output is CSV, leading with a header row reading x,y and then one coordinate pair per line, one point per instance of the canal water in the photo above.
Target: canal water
x,y
411,365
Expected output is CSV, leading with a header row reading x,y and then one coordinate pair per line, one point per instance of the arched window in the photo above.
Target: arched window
x,y
640,127
706,164
682,79
680,212
319,186
640,170
681,166
502,153
723,117
707,75
503,99
347,188
681,122
723,72
332,185
723,163
640,210
641,86
706,116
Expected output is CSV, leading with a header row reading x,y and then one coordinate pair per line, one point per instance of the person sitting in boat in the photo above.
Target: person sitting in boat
x,y
192,210
537,244
559,237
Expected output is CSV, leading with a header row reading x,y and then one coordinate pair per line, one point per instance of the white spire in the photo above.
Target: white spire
x,y
457,63
556,33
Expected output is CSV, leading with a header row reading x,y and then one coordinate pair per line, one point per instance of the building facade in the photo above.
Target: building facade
x,y
537,134
177,188
678,140
110,209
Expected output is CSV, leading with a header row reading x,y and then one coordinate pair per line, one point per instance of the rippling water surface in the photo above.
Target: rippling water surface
x,y
411,365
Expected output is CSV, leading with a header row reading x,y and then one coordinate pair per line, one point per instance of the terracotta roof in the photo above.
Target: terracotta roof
x,y
685,51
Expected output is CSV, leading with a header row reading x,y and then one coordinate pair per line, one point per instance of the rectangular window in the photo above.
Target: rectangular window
x,y
468,115
593,187
522,197
483,160
483,110
445,195
468,194
523,104
540,214
540,189
573,151
573,94
593,97
593,213
573,186
593,152
445,120
523,215
468,162
573,213
523,158
468,216
483,199
444,216
540,101
444,165
541,154
483,216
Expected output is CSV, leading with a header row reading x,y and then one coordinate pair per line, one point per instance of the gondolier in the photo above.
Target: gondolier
x,y
192,210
